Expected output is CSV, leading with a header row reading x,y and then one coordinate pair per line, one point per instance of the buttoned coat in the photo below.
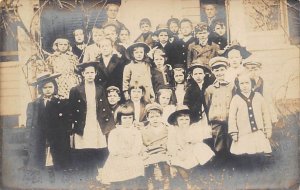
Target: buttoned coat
x,y
78,106
49,124
112,75
182,49
171,52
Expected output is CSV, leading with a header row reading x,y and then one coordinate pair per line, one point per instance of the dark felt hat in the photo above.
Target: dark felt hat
x,y
114,2
84,65
181,109
130,49
198,64
45,77
244,52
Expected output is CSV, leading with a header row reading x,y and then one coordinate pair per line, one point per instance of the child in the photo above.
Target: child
x,y
185,144
92,120
179,83
154,136
124,37
235,54
194,96
203,50
111,32
184,44
165,98
113,97
124,166
162,74
173,26
219,36
147,35
92,51
63,61
138,69
47,119
218,97
110,67
137,99
249,120
78,48
163,35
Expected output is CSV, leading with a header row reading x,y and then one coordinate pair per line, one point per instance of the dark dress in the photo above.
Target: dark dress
x,y
49,124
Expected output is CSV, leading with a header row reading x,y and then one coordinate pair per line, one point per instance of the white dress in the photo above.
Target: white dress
x,y
186,147
124,161
92,135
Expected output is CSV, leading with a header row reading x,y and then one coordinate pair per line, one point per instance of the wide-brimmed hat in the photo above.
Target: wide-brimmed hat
x,y
154,106
84,65
198,64
45,77
243,51
130,49
181,109
162,28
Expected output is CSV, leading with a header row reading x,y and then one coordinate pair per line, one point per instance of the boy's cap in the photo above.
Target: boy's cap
x,y
162,28
218,61
198,64
153,106
251,62
113,88
243,51
179,66
84,65
201,27
44,77
130,49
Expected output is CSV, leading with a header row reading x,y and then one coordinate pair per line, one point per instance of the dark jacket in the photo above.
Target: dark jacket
x,y
142,110
112,74
194,98
182,50
49,124
148,39
161,79
78,106
171,51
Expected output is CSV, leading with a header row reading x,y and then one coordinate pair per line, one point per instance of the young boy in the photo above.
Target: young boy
x,y
218,97
147,35
203,49
235,55
113,97
183,44
92,121
163,35
173,26
47,119
92,52
154,137
79,46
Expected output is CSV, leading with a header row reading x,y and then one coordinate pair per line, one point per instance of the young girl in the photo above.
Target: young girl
x,y
219,35
162,74
124,165
124,37
80,45
185,144
63,61
165,98
155,148
138,69
47,119
92,52
179,75
249,120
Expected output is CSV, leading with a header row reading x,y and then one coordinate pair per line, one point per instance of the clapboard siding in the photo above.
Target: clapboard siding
x,y
10,95
191,10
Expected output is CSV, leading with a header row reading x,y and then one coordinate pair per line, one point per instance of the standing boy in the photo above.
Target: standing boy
x,y
218,97
146,35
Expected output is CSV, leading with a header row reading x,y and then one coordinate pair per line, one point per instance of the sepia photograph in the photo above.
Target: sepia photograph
x,y
149,94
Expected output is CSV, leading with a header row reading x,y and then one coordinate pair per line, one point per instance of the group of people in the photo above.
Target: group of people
x,y
122,112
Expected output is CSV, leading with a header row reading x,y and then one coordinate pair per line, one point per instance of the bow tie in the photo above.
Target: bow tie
x,y
220,83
